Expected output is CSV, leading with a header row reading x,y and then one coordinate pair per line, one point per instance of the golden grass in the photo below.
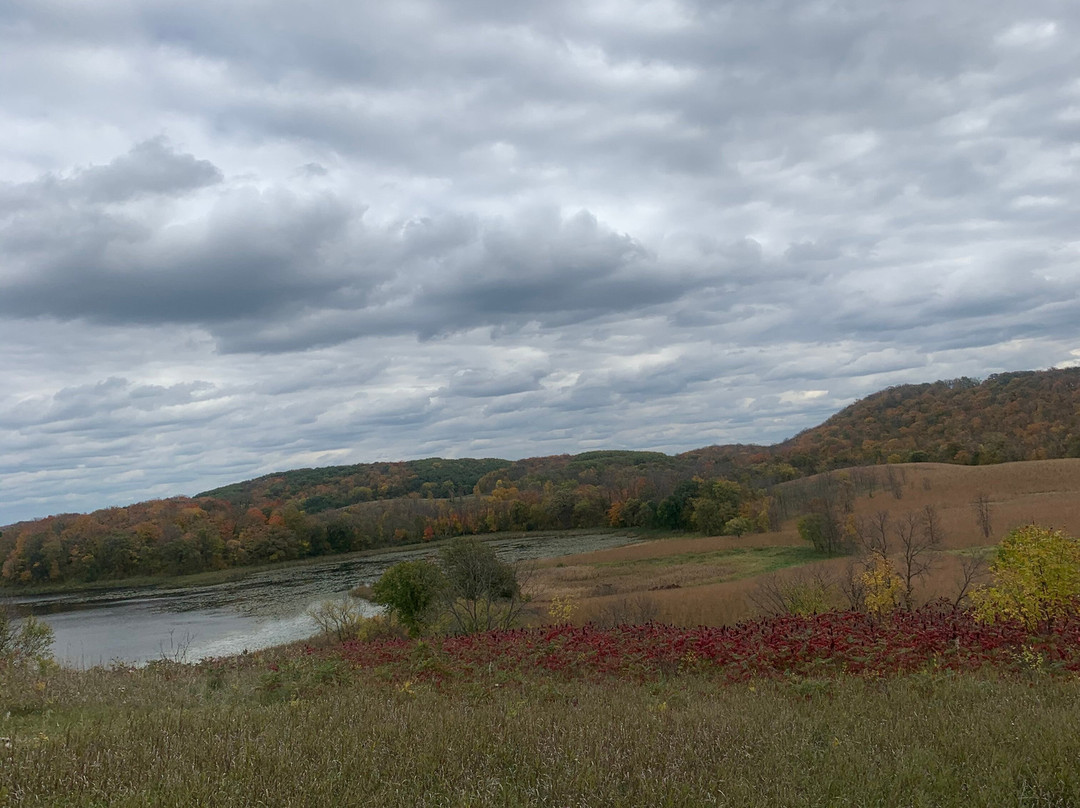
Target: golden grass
x,y
1046,492
663,577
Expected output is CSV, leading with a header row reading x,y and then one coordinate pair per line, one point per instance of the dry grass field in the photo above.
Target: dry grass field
x,y
712,580
1046,492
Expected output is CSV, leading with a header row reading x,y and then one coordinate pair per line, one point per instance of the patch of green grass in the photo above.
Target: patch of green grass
x,y
739,562
983,549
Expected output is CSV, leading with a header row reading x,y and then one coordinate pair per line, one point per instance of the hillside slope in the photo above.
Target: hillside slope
x,y
1031,415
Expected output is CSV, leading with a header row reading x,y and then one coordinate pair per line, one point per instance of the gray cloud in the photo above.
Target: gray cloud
x,y
149,168
70,254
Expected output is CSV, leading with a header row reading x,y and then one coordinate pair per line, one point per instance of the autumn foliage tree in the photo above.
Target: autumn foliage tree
x,y
1029,415
882,587
1036,578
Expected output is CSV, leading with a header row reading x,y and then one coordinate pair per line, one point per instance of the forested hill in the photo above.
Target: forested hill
x,y
322,489
308,512
1031,415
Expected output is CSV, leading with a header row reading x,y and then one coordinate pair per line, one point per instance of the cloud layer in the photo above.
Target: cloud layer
x,y
269,236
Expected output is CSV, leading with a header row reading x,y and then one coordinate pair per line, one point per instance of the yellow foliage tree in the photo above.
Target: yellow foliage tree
x,y
882,587
1036,578
562,609
614,514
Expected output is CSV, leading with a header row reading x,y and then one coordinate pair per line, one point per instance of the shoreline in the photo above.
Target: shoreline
x,y
167,583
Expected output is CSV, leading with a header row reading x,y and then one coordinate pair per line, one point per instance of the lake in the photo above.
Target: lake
x,y
265,608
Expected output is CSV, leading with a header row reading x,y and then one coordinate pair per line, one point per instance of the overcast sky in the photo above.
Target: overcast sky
x,y
249,236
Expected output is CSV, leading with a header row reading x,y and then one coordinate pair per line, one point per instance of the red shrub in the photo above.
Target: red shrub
x,y
931,638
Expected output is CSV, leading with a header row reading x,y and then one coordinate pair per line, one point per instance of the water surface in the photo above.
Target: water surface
x,y
265,608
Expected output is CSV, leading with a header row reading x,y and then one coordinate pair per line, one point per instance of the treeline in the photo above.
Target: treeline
x,y
324,489
314,490
188,535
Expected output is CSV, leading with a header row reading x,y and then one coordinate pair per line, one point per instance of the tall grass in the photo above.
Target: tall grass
x,y
316,733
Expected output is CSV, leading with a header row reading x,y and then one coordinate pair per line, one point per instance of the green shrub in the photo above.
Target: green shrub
x,y
410,590
25,641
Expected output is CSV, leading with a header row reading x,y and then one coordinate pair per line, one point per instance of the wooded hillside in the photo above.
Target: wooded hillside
x,y
714,490
1031,415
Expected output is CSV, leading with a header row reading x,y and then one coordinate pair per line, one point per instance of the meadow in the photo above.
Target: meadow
x,y
664,685
921,710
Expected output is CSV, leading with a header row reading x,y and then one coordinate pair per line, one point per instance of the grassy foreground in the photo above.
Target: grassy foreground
x,y
289,729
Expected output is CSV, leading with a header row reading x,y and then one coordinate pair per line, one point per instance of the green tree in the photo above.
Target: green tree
x,y
411,590
717,504
710,515
812,529
339,535
823,532
1036,577
482,592
738,526
675,511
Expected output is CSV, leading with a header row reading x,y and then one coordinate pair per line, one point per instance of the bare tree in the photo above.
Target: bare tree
x,y
973,568
866,479
981,506
894,478
932,524
852,587
872,542
918,534
912,537
874,534
336,619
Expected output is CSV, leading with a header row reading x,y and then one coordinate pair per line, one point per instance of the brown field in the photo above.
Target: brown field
x,y
711,580
1046,492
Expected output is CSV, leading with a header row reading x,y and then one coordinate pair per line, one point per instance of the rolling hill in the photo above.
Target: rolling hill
x,y
1033,415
